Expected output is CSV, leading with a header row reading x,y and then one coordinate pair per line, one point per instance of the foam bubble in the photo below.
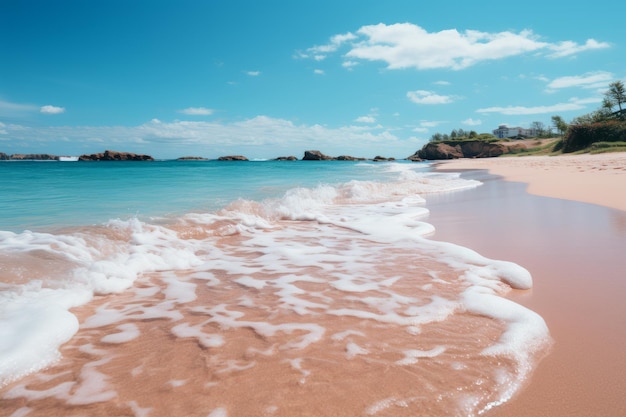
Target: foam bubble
x,y
128,332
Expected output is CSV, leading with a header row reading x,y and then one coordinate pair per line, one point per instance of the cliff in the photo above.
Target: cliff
x,y
459,149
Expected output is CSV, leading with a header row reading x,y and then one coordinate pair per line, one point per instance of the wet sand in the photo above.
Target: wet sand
x,y
575,252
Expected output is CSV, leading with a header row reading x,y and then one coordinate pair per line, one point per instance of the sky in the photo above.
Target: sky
x,y
274,78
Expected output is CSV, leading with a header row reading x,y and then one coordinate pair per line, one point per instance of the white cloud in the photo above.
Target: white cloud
x,y
253,73
428,97
588,100
420,129
567,48
365,119
442,83
197,111
349,64
472,122
319,52
589,80
318,72
430,123
48,109
258,137
405,45
521,110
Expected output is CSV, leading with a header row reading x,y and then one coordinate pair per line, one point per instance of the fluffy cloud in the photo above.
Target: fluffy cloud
x,y
472,122
197,111
567,48
52,109
320,52
600,79
366,119
253,73
428,97
405,45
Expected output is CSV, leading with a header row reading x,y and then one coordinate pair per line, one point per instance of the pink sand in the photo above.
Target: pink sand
x,y
576,253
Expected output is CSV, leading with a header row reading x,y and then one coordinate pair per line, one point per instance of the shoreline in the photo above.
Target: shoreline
x,y
571,237
596,179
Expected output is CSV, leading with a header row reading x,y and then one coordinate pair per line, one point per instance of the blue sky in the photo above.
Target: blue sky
x,y
275,78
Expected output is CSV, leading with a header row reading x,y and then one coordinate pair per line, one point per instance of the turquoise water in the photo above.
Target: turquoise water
x,y
265,269
43,195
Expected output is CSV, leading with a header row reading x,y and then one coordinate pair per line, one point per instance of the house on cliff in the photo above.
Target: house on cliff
x,y
504,131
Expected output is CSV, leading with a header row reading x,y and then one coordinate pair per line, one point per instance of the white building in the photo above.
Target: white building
x,y
504,131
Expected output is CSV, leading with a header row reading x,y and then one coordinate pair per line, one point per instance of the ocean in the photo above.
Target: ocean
x,y
256,288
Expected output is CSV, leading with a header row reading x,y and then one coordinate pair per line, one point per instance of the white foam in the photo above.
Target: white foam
x,y
139,411
128,332
93,386
32,327
340,238
353,350
251,282
218,412
411,356
184,330
21,412
179,291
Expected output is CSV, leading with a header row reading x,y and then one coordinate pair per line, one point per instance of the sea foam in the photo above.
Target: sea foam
x,y
346,266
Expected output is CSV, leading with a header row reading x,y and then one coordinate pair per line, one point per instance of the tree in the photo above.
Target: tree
x,y
615,96
538,127
559,124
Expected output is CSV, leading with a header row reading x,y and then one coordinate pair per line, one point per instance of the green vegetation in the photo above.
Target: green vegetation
x,y
605,126
602,147
546,147
603,130
458,135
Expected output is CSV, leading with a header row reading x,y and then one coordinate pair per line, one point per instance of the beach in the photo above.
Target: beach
x,y
564,219
597,179
270,290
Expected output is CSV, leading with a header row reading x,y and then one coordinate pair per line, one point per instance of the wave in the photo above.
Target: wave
x,y
357,251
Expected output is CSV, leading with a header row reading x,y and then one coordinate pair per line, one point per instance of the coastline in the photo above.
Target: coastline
x,y
596,179
564,219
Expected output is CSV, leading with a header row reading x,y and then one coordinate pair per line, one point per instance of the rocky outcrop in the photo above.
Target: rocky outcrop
x,y
464,149
286,158
115,156
4,157
439,150
33,157
191,158
316,156
414,158
232,158
348,158
379,158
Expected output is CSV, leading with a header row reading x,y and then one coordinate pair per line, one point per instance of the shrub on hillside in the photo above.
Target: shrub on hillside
x,y
581,136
